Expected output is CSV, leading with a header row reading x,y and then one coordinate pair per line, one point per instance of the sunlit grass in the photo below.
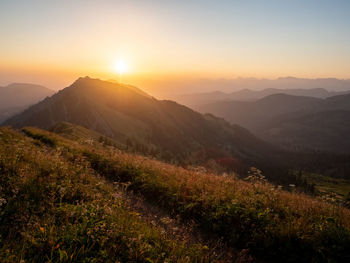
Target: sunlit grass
x,y
56,209
273,224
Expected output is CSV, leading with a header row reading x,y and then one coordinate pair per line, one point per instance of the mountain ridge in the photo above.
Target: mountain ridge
x,y
16,97
278,118
126,115
196,99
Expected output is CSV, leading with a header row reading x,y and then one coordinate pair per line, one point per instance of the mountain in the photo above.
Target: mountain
x,y
325,131
294,122
253,115
16,97
130,117
177,88
173,88
252,95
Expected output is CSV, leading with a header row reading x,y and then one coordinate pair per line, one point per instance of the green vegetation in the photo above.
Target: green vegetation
x,y
330,188
40,137
56,205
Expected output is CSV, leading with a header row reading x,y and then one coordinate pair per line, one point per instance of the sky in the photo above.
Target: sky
x,y
54,42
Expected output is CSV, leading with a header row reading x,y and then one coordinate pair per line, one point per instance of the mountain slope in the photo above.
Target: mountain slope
x,y
18,96
127,115
254,114
325,131
292,121
62,200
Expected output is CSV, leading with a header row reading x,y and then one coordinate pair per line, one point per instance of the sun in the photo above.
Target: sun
x,y
120,67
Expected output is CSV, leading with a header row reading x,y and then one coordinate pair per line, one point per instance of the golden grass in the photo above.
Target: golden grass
x,y
55,208
273,224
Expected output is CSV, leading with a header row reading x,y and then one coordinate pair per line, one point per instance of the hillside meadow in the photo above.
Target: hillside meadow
x,y
54,208
58,204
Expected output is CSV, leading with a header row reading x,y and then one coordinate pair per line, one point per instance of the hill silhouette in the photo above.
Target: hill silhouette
x,y
197,99
129,116
16,97
295,122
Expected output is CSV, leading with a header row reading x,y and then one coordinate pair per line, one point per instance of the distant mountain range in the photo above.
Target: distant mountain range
x,y
294,122
175,89
252,95
16,97
130,116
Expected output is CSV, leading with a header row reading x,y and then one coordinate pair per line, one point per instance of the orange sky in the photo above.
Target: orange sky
x,y
54,42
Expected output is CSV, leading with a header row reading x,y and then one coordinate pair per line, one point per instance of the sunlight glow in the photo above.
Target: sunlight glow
x,y
120,67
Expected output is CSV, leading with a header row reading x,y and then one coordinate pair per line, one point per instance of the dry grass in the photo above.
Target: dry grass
x,y
271,222
55,208
214,189
274,225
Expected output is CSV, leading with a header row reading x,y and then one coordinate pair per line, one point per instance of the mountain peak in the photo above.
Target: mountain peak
x,y
111,86
125,113
88,80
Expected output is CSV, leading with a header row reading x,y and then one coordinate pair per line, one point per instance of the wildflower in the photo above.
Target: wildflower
x,y
165,220
117,195
2,201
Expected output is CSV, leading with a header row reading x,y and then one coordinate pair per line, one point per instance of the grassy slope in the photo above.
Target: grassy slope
x,y
53,207
338,189
275,225
82,135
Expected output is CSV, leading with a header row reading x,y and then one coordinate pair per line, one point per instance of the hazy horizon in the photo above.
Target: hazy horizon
x,y
168,88
53,43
